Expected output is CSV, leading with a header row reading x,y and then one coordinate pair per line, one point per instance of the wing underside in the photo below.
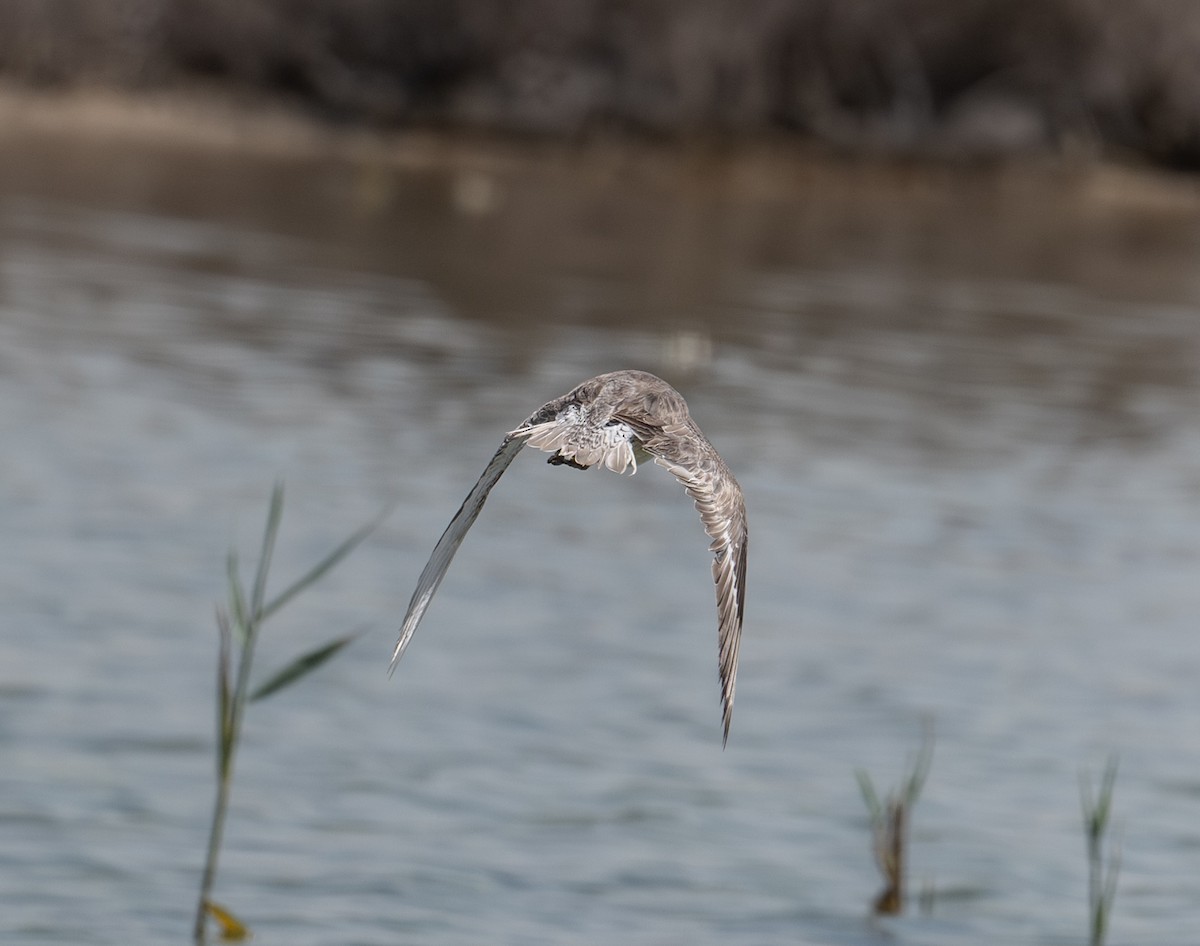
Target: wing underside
x,y
584,430
443,552
722,509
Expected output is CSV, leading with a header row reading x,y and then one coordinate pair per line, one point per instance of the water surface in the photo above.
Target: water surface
x,y
963,408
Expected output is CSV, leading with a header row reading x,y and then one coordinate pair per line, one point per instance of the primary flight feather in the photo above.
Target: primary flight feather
x,y
608,421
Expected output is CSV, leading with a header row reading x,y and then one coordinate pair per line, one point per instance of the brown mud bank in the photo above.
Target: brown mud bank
x,y
950,78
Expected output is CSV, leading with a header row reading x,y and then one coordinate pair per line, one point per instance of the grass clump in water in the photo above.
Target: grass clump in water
x,y
889,826
238,624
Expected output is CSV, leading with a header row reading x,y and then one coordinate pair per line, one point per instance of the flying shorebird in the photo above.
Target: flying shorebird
x,y
613,420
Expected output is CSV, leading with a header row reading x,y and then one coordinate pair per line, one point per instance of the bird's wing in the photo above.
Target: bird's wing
x,y
577,435
443,552
723,511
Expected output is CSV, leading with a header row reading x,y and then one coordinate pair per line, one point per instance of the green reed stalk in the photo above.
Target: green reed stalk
x,y
1102,878
238,626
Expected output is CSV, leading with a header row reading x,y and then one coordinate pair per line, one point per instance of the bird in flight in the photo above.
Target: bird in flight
x,y
613,420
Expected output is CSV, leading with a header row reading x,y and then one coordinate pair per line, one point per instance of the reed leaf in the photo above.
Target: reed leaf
x,y
268,549
870,798
920,767
232,929
237,597
302,665
328,562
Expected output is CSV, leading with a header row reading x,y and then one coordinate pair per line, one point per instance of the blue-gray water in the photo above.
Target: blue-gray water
x,y
968,430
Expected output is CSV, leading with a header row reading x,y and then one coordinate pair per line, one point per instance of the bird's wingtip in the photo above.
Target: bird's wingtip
x,y
397,653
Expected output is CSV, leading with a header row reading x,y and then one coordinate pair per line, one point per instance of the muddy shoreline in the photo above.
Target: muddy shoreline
x,y
761,166
501,226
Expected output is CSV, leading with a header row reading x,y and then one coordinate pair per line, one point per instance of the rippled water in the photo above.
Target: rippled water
x,y
964,411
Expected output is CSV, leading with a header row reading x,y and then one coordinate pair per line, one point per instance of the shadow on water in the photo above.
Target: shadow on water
x,y
961,401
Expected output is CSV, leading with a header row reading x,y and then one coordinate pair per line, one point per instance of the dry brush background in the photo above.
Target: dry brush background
x,y
948,77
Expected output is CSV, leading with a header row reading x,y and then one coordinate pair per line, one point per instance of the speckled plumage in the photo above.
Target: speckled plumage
x,y
607,421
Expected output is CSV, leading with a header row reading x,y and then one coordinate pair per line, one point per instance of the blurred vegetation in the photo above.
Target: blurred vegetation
x,y
955,77
889,825
1102,876
239,624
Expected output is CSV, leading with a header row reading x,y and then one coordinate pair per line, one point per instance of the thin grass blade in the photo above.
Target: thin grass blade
x,y
322,567
274,514
237,598
920,768
1107,781
870,798
224,703
301,666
